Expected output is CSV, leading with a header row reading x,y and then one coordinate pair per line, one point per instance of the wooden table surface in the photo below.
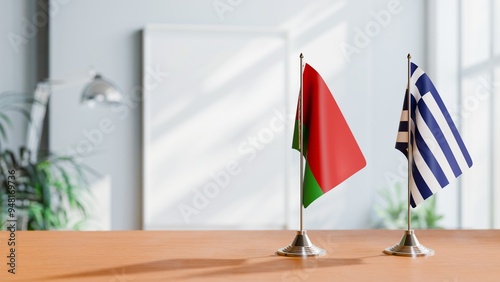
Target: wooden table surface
x,y
353,255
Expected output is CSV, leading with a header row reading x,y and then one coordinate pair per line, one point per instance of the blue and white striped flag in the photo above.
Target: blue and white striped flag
x,y
439,154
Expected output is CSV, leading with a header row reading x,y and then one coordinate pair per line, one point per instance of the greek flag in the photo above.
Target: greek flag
x,y
439,154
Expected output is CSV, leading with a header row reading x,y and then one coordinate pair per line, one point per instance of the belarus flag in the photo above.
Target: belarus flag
x,y
331,152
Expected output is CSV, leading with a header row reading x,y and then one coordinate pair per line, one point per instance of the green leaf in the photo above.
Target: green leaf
x,y
55,185
392,211
5,119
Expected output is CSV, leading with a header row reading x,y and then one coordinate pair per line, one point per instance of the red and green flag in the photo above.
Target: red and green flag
x,y
331,152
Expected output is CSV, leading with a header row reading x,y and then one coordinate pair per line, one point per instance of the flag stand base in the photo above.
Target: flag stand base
x,y
301,247
409,247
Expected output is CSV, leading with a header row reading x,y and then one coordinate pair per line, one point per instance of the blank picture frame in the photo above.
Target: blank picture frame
x,y
216,127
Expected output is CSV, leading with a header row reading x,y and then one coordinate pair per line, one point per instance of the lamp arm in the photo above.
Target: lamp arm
x,y
97,88
67,82
38,110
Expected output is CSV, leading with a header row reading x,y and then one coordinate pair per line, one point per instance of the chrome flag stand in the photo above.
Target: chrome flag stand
x,y
409,246
301,245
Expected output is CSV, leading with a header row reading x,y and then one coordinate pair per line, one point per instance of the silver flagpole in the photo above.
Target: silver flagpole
x,y
410,148
409,245
301,140
301,245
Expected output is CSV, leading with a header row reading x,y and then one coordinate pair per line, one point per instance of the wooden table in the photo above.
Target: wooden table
x,y
355,255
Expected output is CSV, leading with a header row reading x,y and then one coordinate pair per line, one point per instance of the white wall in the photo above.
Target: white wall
x,y
467,84
17,57
368,85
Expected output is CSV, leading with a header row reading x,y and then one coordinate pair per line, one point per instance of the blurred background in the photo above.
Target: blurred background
x,y
201,135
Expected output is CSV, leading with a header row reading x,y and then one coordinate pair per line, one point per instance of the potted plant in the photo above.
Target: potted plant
x,y
393,212
49,193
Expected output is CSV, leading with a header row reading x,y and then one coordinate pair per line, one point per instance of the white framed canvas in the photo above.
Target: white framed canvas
x,y
216,127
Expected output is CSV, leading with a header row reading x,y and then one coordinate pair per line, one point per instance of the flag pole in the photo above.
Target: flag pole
x,y
301,141
301,245
409,246
410,149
